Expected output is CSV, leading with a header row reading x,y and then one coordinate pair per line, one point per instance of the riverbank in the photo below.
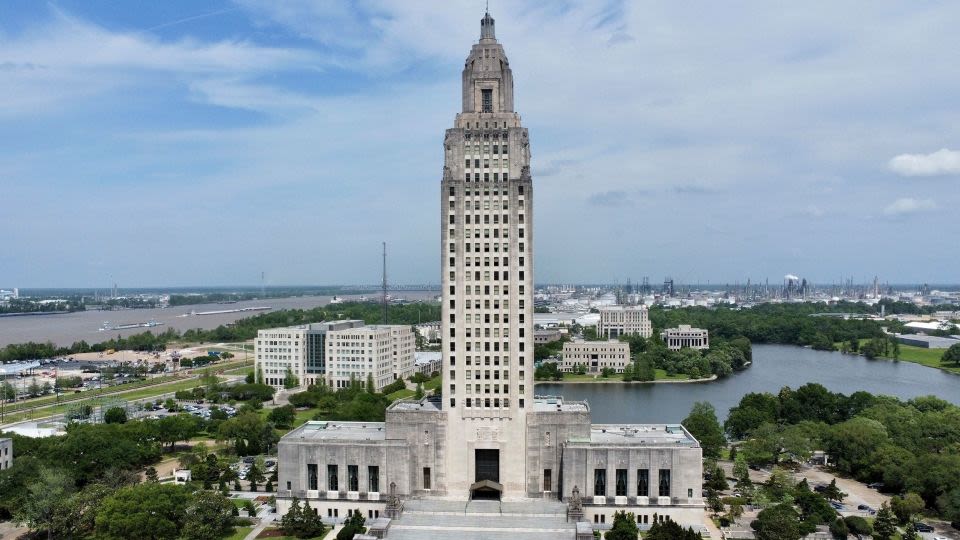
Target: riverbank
x,y
611,380
916,355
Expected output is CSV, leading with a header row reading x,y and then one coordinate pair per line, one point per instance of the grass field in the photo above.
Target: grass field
x,y
239,533
920,355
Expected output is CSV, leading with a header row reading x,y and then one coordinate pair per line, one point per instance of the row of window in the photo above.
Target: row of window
x,y
643,482
452,191
353,478
476,162
487,148
476,219
475,233
477,404
486,125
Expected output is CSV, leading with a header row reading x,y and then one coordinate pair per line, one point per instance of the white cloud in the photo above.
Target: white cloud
x,y
68,58
908,205
939,163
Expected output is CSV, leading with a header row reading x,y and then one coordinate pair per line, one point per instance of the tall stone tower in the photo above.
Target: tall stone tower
x,y
486,225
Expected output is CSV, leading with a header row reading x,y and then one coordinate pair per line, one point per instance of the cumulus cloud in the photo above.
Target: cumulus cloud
x,y
939,163
908,205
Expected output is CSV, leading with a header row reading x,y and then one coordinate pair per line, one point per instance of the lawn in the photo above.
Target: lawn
x,y
920,355
433,383
239,533
400,394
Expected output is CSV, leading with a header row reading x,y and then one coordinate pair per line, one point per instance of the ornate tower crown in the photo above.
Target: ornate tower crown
x,y
487,79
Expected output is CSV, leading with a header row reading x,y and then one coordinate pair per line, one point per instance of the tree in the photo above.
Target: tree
x,y
250,433
833,493
702,423
910,533
254,476
780,522
283,417
371,388
419,392
115,415
670,530
951,355
741,471
250,378
148,511
352,526
838,528
151,474
44,500
624,527
907,506
885,523
949,506
291,521
858,525
208,517
290,380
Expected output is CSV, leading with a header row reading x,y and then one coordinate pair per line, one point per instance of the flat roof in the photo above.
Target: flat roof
x,y
641,435
557,404
13,368
415,405
316,430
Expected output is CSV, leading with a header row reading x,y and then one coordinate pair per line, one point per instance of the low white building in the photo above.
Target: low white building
x,y
595,356
385,352
685,336
616,321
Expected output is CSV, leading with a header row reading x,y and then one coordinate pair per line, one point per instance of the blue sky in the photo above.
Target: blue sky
x,y
189,143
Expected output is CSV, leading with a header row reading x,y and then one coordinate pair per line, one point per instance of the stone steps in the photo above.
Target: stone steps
x,y
427,519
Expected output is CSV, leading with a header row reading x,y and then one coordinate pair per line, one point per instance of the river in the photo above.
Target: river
x,y
774,366
64,329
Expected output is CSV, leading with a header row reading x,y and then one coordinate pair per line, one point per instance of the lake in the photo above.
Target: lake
x,y
774,366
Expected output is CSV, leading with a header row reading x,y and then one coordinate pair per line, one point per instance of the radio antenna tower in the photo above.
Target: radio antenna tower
x,y
263,284
383,296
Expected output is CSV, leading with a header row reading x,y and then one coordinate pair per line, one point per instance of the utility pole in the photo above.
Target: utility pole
x,y
383,297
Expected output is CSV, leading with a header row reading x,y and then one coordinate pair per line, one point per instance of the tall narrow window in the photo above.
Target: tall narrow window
x,y
353,478
643,482
664,482
487,95
373,474
426,478
548,480
311,476
621,482
600,482
332,484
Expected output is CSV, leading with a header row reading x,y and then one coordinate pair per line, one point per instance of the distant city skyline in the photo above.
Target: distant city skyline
x,y
184,145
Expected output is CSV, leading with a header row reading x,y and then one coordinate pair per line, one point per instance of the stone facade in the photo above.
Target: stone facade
x,y
616,321
488,435
595,356
686,336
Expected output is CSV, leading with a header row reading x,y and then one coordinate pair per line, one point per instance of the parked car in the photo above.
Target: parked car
x,y
922,527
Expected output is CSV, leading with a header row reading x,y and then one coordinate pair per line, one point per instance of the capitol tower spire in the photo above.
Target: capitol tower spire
x,y
487,275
